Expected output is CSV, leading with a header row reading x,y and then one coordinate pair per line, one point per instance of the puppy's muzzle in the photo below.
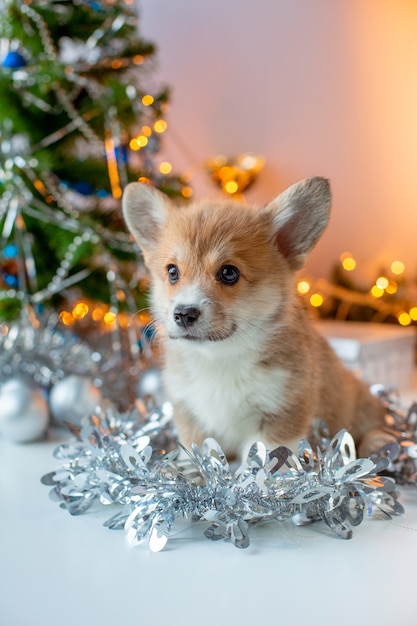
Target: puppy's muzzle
x,y
186,315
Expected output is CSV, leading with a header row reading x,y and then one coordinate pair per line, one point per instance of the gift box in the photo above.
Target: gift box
x,y
378,353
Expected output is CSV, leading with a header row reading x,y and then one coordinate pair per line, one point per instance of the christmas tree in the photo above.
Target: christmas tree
x,y
77,122
79,119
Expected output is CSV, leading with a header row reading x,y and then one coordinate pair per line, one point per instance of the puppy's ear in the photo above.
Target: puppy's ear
x,y
145,211
299,216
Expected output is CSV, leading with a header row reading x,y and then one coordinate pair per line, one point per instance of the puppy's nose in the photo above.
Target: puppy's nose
x,y
185,315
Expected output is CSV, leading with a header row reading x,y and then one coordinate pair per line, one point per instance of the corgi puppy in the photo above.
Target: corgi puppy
x,y
242,360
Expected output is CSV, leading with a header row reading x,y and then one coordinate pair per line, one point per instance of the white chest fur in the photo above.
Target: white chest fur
x,y
227,393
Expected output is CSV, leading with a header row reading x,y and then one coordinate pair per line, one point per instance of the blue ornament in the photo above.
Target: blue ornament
x,y
95,6
83,188
14,60
10,251
120,152
10,280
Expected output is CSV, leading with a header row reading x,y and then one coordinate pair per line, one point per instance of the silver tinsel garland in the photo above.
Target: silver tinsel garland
x,y
40,351
134,460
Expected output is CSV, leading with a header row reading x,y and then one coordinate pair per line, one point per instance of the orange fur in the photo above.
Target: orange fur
x,y
242,360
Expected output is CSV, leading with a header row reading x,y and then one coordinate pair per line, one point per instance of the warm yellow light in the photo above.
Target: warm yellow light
x,y
165,167
397,267
39,186
160,126
382,282
109,318
148,100
123,320
143,179
187,191
98,313
147,131
231,186
316,299
144,317
142,141
112,166
80,310
413,313
133,144
404,319
116,64
392,287
138,59
66,318
227,172
348,262
303,286
377,292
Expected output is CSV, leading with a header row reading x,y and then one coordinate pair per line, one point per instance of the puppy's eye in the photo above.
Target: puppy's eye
x,y
173,273
229,275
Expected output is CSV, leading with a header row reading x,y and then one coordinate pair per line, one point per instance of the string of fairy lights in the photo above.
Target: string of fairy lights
x,y
43,197
389,297
142,139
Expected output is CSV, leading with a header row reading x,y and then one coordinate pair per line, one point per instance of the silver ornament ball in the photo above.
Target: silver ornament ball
x,y
150,384
73,398
24,414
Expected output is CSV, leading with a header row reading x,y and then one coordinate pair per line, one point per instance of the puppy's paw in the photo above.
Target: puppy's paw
x,y
373,441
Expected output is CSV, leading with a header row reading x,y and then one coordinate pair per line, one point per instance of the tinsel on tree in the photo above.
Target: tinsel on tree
x,y
78,120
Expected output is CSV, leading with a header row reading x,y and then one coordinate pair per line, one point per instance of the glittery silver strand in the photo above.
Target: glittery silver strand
x,y
26,262
402,424
73,114
40,351
42,27
20,204
59,134
133,460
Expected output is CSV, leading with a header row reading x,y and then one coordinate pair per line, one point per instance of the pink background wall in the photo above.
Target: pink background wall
x,y
319,87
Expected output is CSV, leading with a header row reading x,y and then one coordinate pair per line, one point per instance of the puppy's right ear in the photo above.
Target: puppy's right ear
x,y
299,216
145,212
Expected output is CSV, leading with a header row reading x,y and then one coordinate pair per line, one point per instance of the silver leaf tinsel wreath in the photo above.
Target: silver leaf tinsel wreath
x,y
123,459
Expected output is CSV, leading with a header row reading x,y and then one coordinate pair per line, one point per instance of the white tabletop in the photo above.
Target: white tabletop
x,y
56,569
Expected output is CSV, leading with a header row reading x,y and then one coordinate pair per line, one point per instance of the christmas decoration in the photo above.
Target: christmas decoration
x,y
235,174
403,425
73,398
390,298
14,59
133,460
42,352
150,384
78,121
76,124
24,415
73,376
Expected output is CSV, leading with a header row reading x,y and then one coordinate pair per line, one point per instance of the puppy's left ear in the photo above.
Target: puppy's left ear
x,y
299,216
145,211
